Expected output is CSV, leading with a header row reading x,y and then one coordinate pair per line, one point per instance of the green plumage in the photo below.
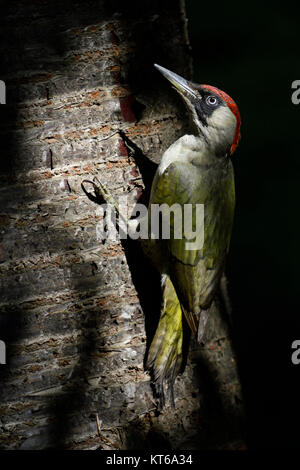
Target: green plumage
x,y
192,277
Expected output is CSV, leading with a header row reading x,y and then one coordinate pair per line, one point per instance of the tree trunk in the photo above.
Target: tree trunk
x,y
77,314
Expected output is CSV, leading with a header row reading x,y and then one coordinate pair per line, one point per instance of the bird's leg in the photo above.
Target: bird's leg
x,y
102,193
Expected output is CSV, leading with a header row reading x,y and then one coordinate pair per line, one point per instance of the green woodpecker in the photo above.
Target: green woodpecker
x,y
196,169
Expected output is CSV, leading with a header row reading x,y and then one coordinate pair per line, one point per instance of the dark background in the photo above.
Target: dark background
x,y
253,54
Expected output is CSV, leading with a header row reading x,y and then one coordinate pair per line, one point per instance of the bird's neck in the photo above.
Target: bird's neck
x,y
191,149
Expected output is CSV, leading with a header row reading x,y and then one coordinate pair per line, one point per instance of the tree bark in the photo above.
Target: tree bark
x,y
77,315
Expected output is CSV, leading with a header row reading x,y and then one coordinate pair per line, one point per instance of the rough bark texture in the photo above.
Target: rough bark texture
x,y
77,314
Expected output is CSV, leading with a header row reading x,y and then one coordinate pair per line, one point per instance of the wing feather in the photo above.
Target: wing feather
x,y
196,273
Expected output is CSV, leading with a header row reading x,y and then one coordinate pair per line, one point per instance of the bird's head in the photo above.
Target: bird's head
x,y
214,113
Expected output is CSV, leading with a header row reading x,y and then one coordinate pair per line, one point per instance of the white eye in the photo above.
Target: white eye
x,y
211,100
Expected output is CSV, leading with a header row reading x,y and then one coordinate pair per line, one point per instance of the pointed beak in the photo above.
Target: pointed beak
x,y
184,87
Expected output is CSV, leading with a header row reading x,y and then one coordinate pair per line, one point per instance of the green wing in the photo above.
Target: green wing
x,y
195,273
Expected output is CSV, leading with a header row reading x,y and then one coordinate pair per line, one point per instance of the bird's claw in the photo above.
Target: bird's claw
x,y
101,193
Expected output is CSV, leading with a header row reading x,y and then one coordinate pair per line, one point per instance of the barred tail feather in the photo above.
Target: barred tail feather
x,y
165,353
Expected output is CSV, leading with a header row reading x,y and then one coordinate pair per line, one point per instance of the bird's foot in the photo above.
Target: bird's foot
x,y
101,193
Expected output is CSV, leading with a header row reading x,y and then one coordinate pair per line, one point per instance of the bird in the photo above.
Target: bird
x,y
196,169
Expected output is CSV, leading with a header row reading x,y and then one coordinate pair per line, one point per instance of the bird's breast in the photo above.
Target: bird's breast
x,y
187,149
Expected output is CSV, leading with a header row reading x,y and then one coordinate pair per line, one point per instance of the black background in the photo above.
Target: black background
x,y
252,52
